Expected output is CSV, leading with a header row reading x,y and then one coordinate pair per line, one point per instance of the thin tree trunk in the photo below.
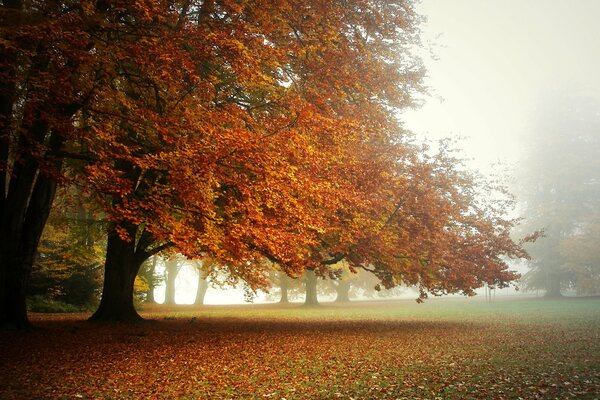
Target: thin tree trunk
x,y
150,295
311,288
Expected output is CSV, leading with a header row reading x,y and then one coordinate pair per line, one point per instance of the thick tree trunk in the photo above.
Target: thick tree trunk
x,y
553,285
24,216
311,288
202,288
171,270
120,269
284,284
343,292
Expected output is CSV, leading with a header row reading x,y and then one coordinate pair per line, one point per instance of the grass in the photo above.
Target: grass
x,y
443,349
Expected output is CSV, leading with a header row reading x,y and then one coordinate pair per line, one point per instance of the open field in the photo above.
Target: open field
x,y
443,349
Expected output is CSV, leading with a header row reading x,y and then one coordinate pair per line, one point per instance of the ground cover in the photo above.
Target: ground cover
x,y
443,349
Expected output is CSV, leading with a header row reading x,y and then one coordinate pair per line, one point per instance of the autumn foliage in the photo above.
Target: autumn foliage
x,y
450,349
242,131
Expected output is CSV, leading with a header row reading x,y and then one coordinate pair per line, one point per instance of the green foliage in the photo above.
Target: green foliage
x,y
151,278
45,304
70,255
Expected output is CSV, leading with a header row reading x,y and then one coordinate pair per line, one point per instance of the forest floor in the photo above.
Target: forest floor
x,y
443,349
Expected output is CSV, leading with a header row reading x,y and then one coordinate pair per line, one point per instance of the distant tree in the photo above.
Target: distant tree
x,y
559,187
70,255
202,287
149,275
289,289
311,283
284,284
173,264
582,257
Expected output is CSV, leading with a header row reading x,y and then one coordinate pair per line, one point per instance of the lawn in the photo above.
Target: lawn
x,y
443,349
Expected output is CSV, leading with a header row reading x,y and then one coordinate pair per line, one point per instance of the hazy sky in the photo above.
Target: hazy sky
x,y
496,60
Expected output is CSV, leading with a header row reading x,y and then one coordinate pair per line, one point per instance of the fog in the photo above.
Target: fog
x,y
496,71
518,82
492,63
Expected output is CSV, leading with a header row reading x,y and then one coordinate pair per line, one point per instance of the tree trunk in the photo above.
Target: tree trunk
x,y
202,288
284,284
24,217
553,285
311,288
343,292
171,270
120,269
150,295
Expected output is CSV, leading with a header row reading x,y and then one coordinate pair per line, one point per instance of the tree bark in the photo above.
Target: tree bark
x,y
24,216
202,288
343,291
553,285
150,295
284,284
311,288
171,270
121,267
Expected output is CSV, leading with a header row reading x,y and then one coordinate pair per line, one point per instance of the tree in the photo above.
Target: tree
x,y
560,190
250,132
149,275
173,264
45,82
289,288
202,284
284,284
310,282
69,259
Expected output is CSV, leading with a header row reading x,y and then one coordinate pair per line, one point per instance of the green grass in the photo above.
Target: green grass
x,y
443,349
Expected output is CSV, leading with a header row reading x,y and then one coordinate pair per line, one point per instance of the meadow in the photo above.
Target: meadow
x,y
443,349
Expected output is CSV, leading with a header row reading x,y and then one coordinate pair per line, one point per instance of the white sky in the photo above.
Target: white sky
x,y
495,60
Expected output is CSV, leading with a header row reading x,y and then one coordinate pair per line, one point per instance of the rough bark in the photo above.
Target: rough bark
x,y
202,288
284,284
25,210
121,267
343,292
311,288
150,295
171,270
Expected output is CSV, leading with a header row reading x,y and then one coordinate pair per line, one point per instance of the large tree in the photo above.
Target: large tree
x,y
242,135
46,78
560,192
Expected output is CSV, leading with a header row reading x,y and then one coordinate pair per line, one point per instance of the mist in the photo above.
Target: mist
x,y
517,82
492,65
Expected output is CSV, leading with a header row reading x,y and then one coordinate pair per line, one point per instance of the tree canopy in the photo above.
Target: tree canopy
x,y
239,131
